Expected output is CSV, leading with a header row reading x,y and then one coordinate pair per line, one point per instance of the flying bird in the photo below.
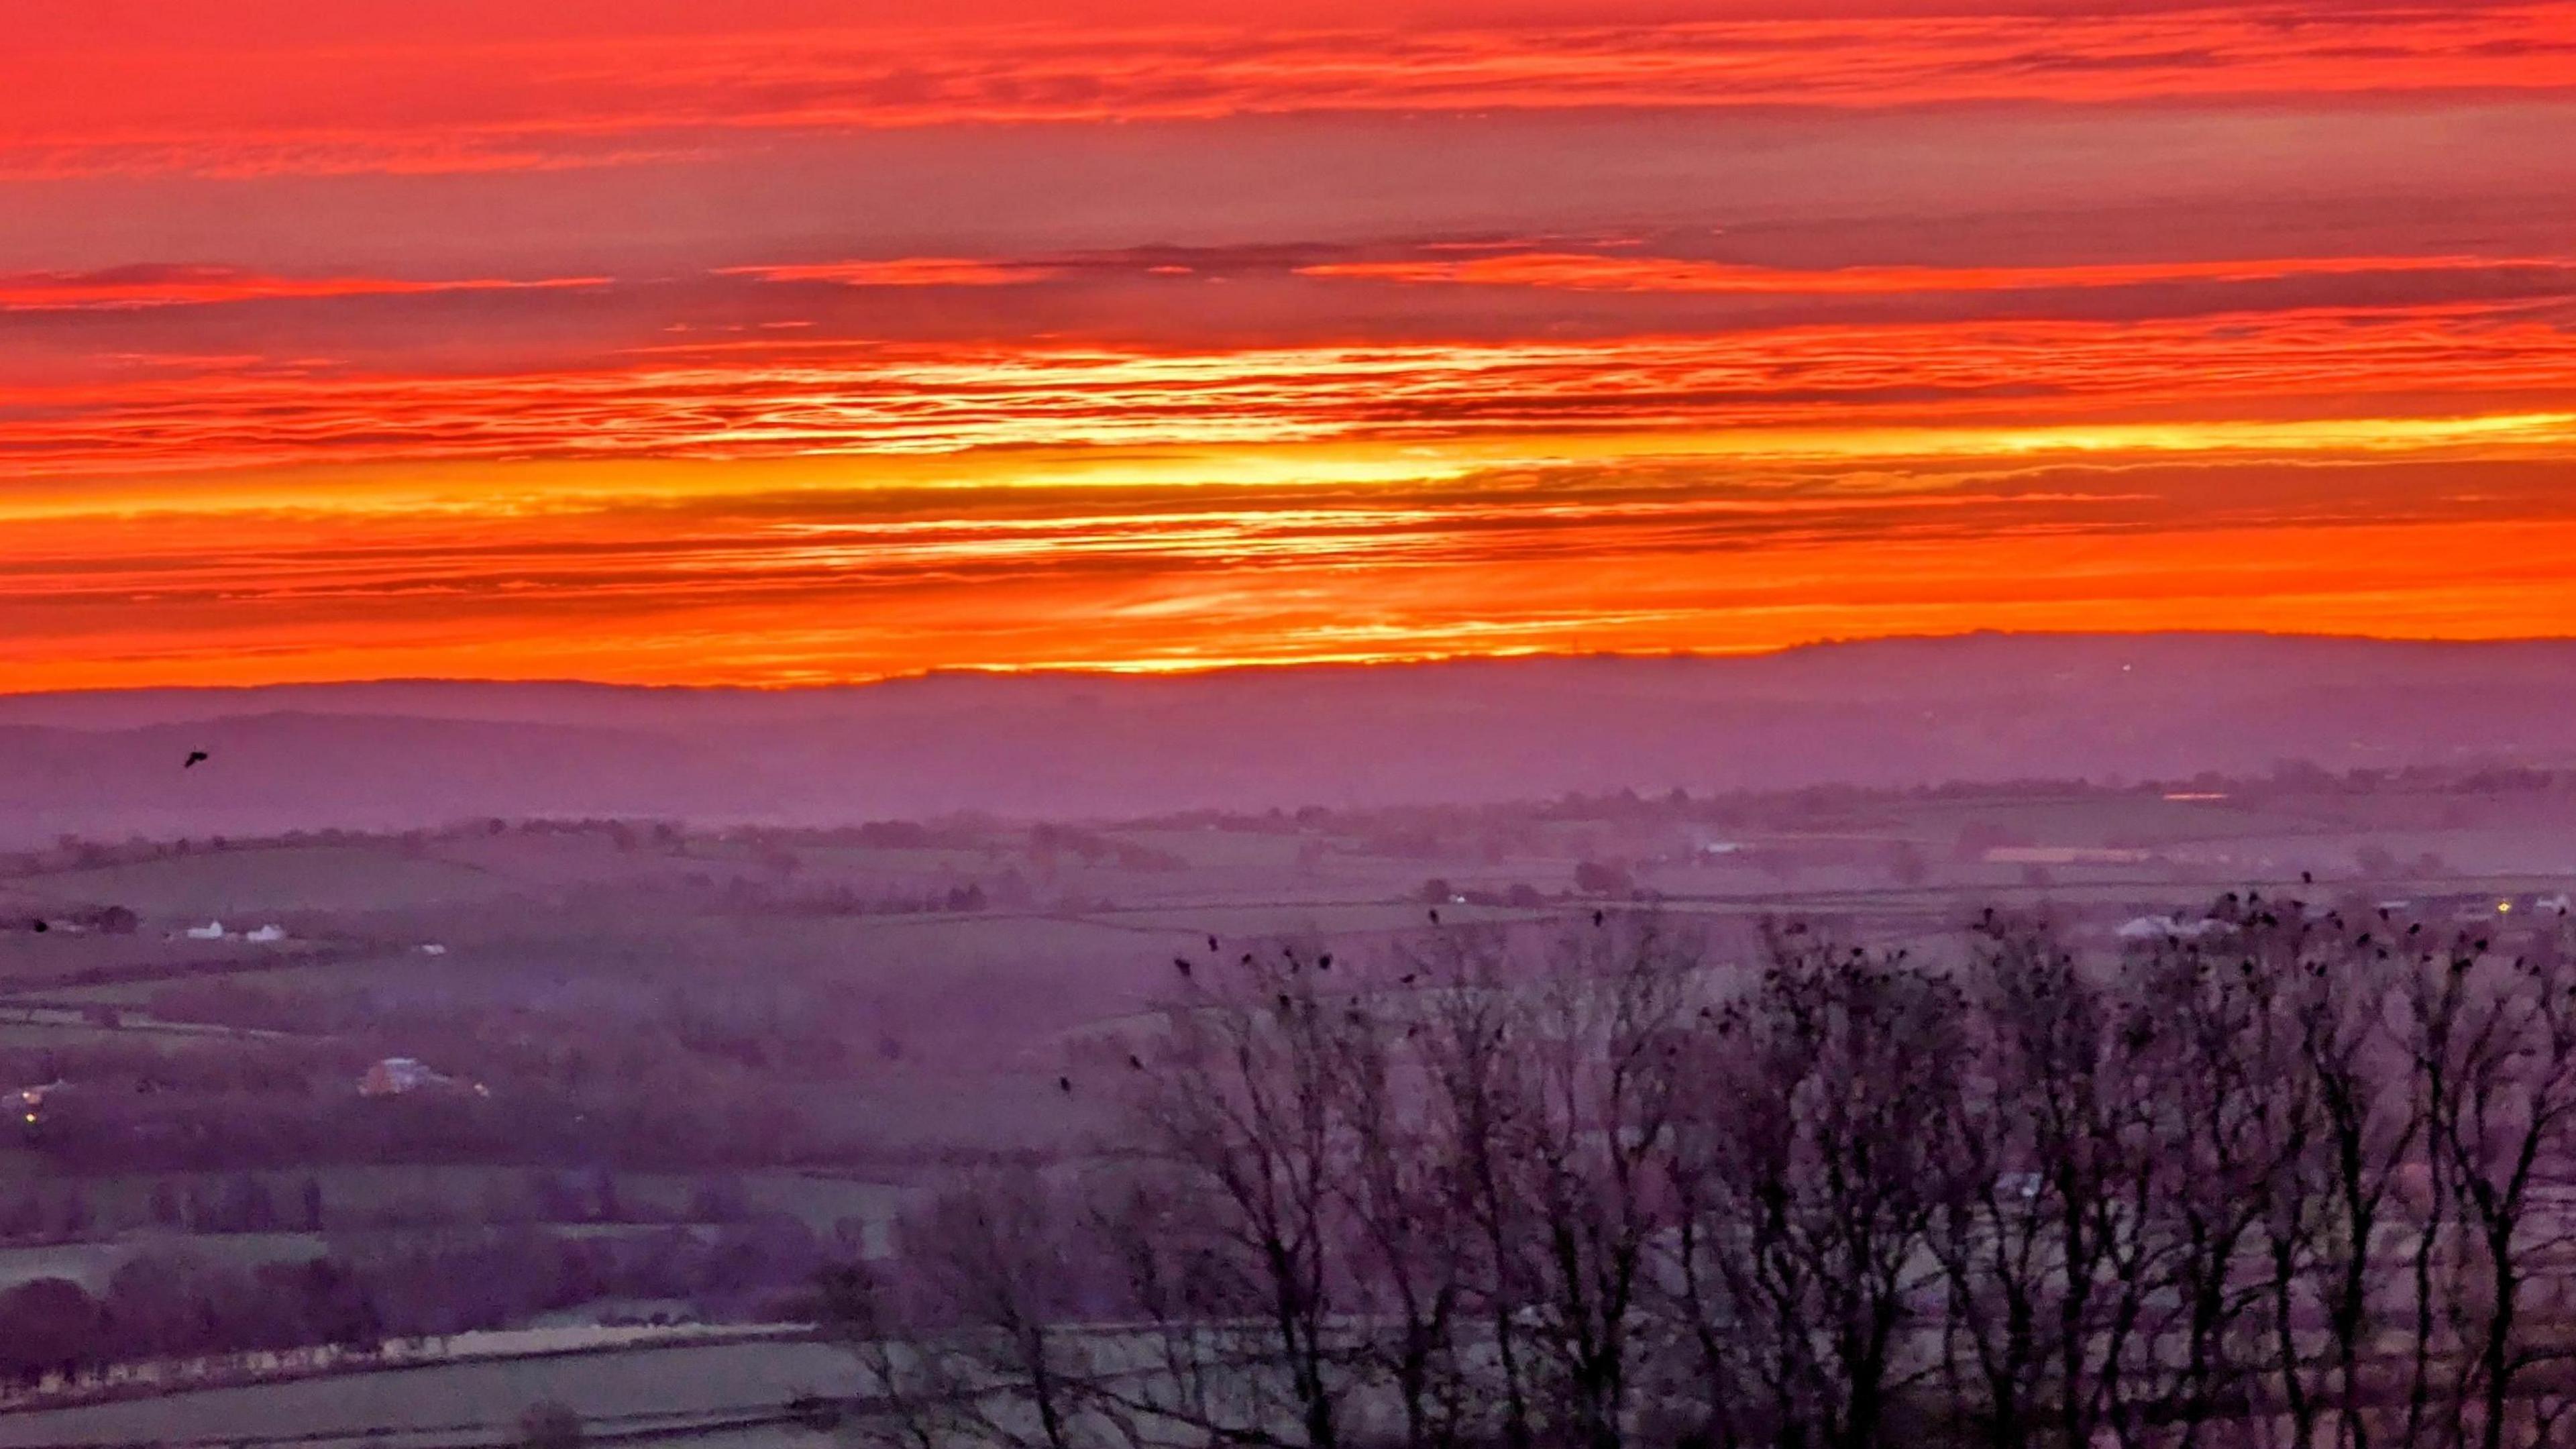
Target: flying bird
x,y
195,758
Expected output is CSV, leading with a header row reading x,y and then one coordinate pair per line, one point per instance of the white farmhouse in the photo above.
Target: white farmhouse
x,y
2154,928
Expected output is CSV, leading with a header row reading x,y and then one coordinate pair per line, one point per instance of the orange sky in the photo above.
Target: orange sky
x,y
789,341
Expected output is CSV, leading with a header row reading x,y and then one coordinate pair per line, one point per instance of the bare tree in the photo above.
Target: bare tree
x,y
1243,1096
1476,1099
1811,1177
1009,1345
2347,1135
1594,1067
2048,1244
1195,1346
901,1401
1414,1259
2215,1022
2494,1049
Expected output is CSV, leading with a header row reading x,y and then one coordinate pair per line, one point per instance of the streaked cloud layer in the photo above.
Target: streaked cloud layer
x,y
636,342
501,101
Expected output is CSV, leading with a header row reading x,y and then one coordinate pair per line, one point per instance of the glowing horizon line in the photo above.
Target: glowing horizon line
x,y
1079,669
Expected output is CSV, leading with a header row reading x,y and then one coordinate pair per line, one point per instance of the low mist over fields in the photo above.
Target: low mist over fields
x,y
1893,714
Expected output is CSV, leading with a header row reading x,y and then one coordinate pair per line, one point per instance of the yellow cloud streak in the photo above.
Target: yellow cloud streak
x,y
520,488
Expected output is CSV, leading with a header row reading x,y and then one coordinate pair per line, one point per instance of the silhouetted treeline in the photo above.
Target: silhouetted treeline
x,y
2299,1179
184,1306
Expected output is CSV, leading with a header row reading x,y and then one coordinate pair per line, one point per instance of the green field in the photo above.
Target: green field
x,y
92,1264
236,885
467,1404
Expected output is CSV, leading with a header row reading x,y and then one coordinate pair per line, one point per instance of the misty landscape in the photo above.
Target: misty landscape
x,y
1947,1103
1885,714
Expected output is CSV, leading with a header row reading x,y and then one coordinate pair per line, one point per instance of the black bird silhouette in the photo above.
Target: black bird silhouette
x,y
1598,918
1435,918
1324,962
1064,1085
1211,943
1181,964
2307,877
195,758
1135,1061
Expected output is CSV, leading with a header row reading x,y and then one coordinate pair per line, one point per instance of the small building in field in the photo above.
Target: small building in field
x,y
210,931
2168,928
399,1076
267,934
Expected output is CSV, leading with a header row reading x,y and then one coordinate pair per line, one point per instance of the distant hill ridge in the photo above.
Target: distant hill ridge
x,y
1883,712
